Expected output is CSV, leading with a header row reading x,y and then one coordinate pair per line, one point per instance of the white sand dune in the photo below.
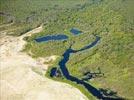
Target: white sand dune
x,y
19,82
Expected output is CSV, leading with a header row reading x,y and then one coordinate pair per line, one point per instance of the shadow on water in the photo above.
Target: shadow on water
x,y
97,93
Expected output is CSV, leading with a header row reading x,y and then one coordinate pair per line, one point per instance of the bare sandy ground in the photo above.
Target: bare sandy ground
x,y
19,82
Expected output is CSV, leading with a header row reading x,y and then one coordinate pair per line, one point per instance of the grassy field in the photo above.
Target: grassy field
x,y
112,20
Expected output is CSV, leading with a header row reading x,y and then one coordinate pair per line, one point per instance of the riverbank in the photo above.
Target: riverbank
x,y
19,81
61,73
63,80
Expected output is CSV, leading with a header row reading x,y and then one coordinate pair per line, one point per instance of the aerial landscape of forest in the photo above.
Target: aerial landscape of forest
x,y
86,44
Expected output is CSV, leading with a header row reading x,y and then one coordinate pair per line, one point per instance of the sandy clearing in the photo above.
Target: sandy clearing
x,y
19,82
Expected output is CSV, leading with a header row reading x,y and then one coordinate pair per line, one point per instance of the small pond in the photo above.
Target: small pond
x,y
51,38
75,31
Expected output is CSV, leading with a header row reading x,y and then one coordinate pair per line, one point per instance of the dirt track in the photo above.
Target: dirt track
x,y
19,82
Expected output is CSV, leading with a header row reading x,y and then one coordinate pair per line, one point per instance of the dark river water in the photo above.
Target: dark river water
x,y
67,75
95,92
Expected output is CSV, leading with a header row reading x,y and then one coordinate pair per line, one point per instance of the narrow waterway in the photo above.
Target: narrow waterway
x,y
67,75
95,92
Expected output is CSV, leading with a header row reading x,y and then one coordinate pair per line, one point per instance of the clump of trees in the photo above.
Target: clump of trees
x,y
88,74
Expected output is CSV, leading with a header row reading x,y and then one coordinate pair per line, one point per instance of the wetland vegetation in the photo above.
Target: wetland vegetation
x,y
112,20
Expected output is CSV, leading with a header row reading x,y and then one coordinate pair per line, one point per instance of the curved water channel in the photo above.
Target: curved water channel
x,y
62,64
95,92
68,76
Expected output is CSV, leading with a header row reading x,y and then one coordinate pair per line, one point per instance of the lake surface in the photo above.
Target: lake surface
x,y
52,38
58,37
75,31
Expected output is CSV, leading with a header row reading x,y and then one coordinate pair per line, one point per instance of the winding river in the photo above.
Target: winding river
x,y
62,64
67,75
95,92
